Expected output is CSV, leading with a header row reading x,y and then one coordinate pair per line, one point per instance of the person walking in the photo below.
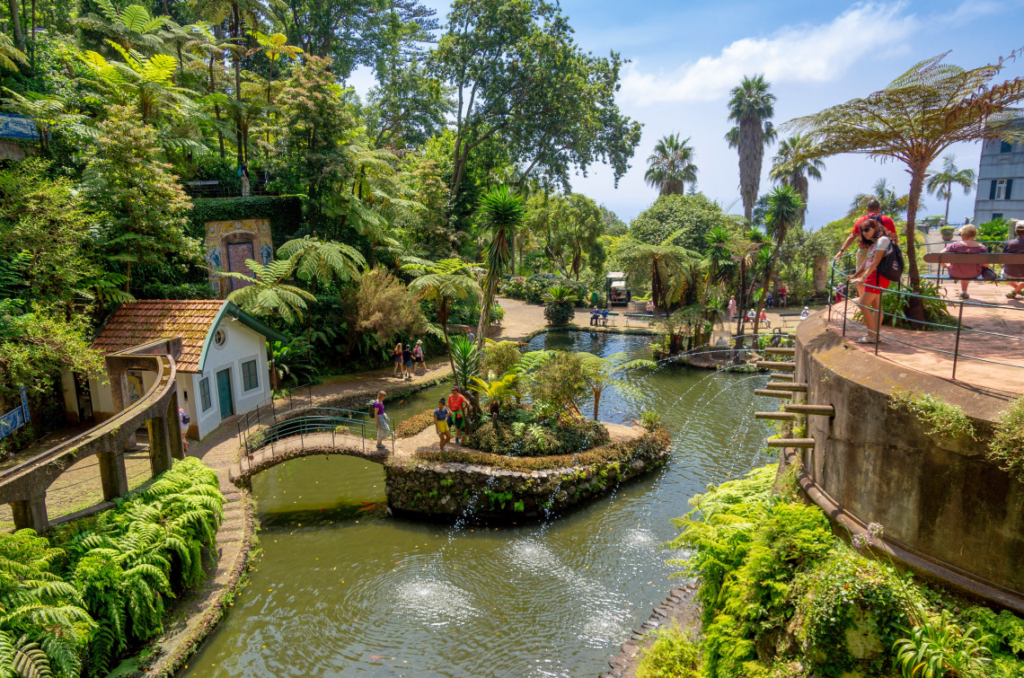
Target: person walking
x,y
1014,273
965,273
782,297
441,416
418,357
470,335
871,284
407,361
380,419
874,213
732,308
183,422
396,356
243,174
460,407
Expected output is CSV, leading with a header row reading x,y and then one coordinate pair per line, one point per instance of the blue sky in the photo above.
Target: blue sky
x,y
686,56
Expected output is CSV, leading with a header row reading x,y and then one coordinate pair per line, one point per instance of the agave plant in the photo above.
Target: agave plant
x,y
559,304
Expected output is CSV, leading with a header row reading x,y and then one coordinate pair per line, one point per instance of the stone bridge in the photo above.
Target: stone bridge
x,y
24,486
308,445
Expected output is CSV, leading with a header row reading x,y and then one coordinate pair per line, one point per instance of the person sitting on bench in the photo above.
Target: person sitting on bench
x,y
1014,273
595,317
604,317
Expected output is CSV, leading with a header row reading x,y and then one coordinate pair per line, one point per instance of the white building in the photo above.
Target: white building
x,y
1001,164
222,370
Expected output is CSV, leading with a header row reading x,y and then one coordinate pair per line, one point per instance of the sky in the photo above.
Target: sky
x,y
685,56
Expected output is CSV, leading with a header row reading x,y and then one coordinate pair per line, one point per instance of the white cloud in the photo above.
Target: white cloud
x,y
970,10
799,54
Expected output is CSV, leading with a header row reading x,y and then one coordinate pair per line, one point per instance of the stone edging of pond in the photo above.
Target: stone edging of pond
x,y
449,490
573,327
680,607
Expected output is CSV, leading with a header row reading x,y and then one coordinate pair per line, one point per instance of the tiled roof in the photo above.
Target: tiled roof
x,y
143,321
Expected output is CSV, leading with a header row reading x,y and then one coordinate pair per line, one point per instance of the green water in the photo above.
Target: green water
x,y
343,589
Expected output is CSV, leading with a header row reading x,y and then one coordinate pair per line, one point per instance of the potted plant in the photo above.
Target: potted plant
x,y
947,233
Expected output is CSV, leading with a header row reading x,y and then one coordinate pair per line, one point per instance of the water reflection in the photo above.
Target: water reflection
x,y
343,589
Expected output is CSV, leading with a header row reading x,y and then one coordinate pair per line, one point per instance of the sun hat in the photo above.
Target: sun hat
x,y
1019,226
419,341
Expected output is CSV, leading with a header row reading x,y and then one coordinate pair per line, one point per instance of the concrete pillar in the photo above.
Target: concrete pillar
x,y
31,513
113,474
159,449
174,428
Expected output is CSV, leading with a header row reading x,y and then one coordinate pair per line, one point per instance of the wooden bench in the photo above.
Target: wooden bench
x,y
604,322
983,258
786,315
643,317
204,187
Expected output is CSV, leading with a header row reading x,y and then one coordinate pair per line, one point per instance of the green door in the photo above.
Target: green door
x,y
227,406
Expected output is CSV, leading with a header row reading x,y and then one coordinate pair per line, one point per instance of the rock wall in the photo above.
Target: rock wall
x,y
947,510
447,491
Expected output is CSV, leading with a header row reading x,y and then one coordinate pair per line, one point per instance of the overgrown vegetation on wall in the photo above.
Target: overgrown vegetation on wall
x,y
782,596
942,418
1007,448
284,213
74,603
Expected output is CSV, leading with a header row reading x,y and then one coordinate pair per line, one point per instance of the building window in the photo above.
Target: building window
x,y
249,378
1005,147
219,337
1002,189
204,394
997,215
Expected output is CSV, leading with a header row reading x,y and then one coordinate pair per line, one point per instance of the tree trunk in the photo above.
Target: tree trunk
x,y
490,289
741,303
597,401
19,38
442,315
238,80
949,194
751,152
915,309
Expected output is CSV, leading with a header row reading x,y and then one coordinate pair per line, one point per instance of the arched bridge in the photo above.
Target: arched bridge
x,y
24,486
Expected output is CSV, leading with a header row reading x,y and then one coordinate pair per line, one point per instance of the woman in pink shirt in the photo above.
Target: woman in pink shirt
x,y
965,273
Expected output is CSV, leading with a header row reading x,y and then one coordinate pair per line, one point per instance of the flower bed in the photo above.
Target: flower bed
x,y
520,432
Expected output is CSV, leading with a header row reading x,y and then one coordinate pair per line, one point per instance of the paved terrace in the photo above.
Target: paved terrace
x,y
921,350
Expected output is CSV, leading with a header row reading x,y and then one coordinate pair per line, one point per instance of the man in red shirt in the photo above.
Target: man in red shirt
x,y
862,249
459,406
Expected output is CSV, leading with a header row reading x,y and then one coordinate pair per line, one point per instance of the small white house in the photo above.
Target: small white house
x,y
222,370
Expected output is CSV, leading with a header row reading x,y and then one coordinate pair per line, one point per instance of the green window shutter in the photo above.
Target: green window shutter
x,y
992,191
1009,188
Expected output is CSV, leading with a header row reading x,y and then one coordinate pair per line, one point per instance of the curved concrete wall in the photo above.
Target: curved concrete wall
x,y
947,511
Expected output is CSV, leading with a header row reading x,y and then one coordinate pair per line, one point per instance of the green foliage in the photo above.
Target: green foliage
x,y
283,212
532,289
650,419
559,305
673,655
499,358
415,424
558,383
941,648
525,432
688,218
996,230
1007,447
465,357
942,418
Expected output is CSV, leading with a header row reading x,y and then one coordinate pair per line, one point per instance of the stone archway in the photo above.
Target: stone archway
x,y
228,244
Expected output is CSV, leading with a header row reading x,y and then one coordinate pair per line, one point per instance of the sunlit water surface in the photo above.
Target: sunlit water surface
x,y
344,589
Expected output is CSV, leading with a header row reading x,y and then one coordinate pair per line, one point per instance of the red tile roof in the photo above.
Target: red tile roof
x,y
144,321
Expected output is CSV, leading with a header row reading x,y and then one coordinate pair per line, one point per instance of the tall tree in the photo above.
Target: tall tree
x,y
795,164
941,183
891,204
443,284
919,115
751,107
671,165
519,77
663,265
570,227
784,209
502,211
142,207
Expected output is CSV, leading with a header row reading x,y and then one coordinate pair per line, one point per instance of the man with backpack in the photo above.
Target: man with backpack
x,y
874,212
883,265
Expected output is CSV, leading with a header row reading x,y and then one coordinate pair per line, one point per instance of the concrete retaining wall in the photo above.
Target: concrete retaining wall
x,y
947,511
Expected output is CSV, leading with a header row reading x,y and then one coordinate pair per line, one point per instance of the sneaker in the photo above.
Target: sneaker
x,y
964,295
865,340
1011,295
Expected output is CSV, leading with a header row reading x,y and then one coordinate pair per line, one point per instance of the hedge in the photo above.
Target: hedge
x,y
284,213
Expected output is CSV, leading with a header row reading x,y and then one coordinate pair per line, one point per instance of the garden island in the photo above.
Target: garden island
x,y
302,377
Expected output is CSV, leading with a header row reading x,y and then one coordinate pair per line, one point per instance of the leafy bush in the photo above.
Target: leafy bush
x,y
940,648
499,358
673,655
532,289
695,215
284,213
947,230
1007,448
522,433
415,424
941,417
559,383
559,305
996,230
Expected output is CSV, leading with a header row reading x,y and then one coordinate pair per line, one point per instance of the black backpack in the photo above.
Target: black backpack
x,y
891,265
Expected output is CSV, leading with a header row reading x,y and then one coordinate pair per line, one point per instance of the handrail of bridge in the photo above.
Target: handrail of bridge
x,y
165,381
839,270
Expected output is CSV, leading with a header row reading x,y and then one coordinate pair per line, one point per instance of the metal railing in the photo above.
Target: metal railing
x,y
965,334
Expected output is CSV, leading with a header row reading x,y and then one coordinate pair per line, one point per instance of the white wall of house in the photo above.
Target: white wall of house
x,y
241,345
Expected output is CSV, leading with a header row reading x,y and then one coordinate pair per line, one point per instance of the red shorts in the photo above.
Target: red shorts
x,y
875,280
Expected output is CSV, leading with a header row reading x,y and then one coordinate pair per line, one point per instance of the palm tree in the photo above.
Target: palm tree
x,y
600,373
891,205
443,284
498,392
794,164
750,108
720,242
671,165
663,265
502,211
784,210
11,56
268,292
918,116
941,183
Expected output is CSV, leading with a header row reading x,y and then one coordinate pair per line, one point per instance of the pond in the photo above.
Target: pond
x,y
344,589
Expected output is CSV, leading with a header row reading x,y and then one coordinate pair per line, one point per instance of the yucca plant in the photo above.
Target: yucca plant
x,y
503,211
465,358
559,304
